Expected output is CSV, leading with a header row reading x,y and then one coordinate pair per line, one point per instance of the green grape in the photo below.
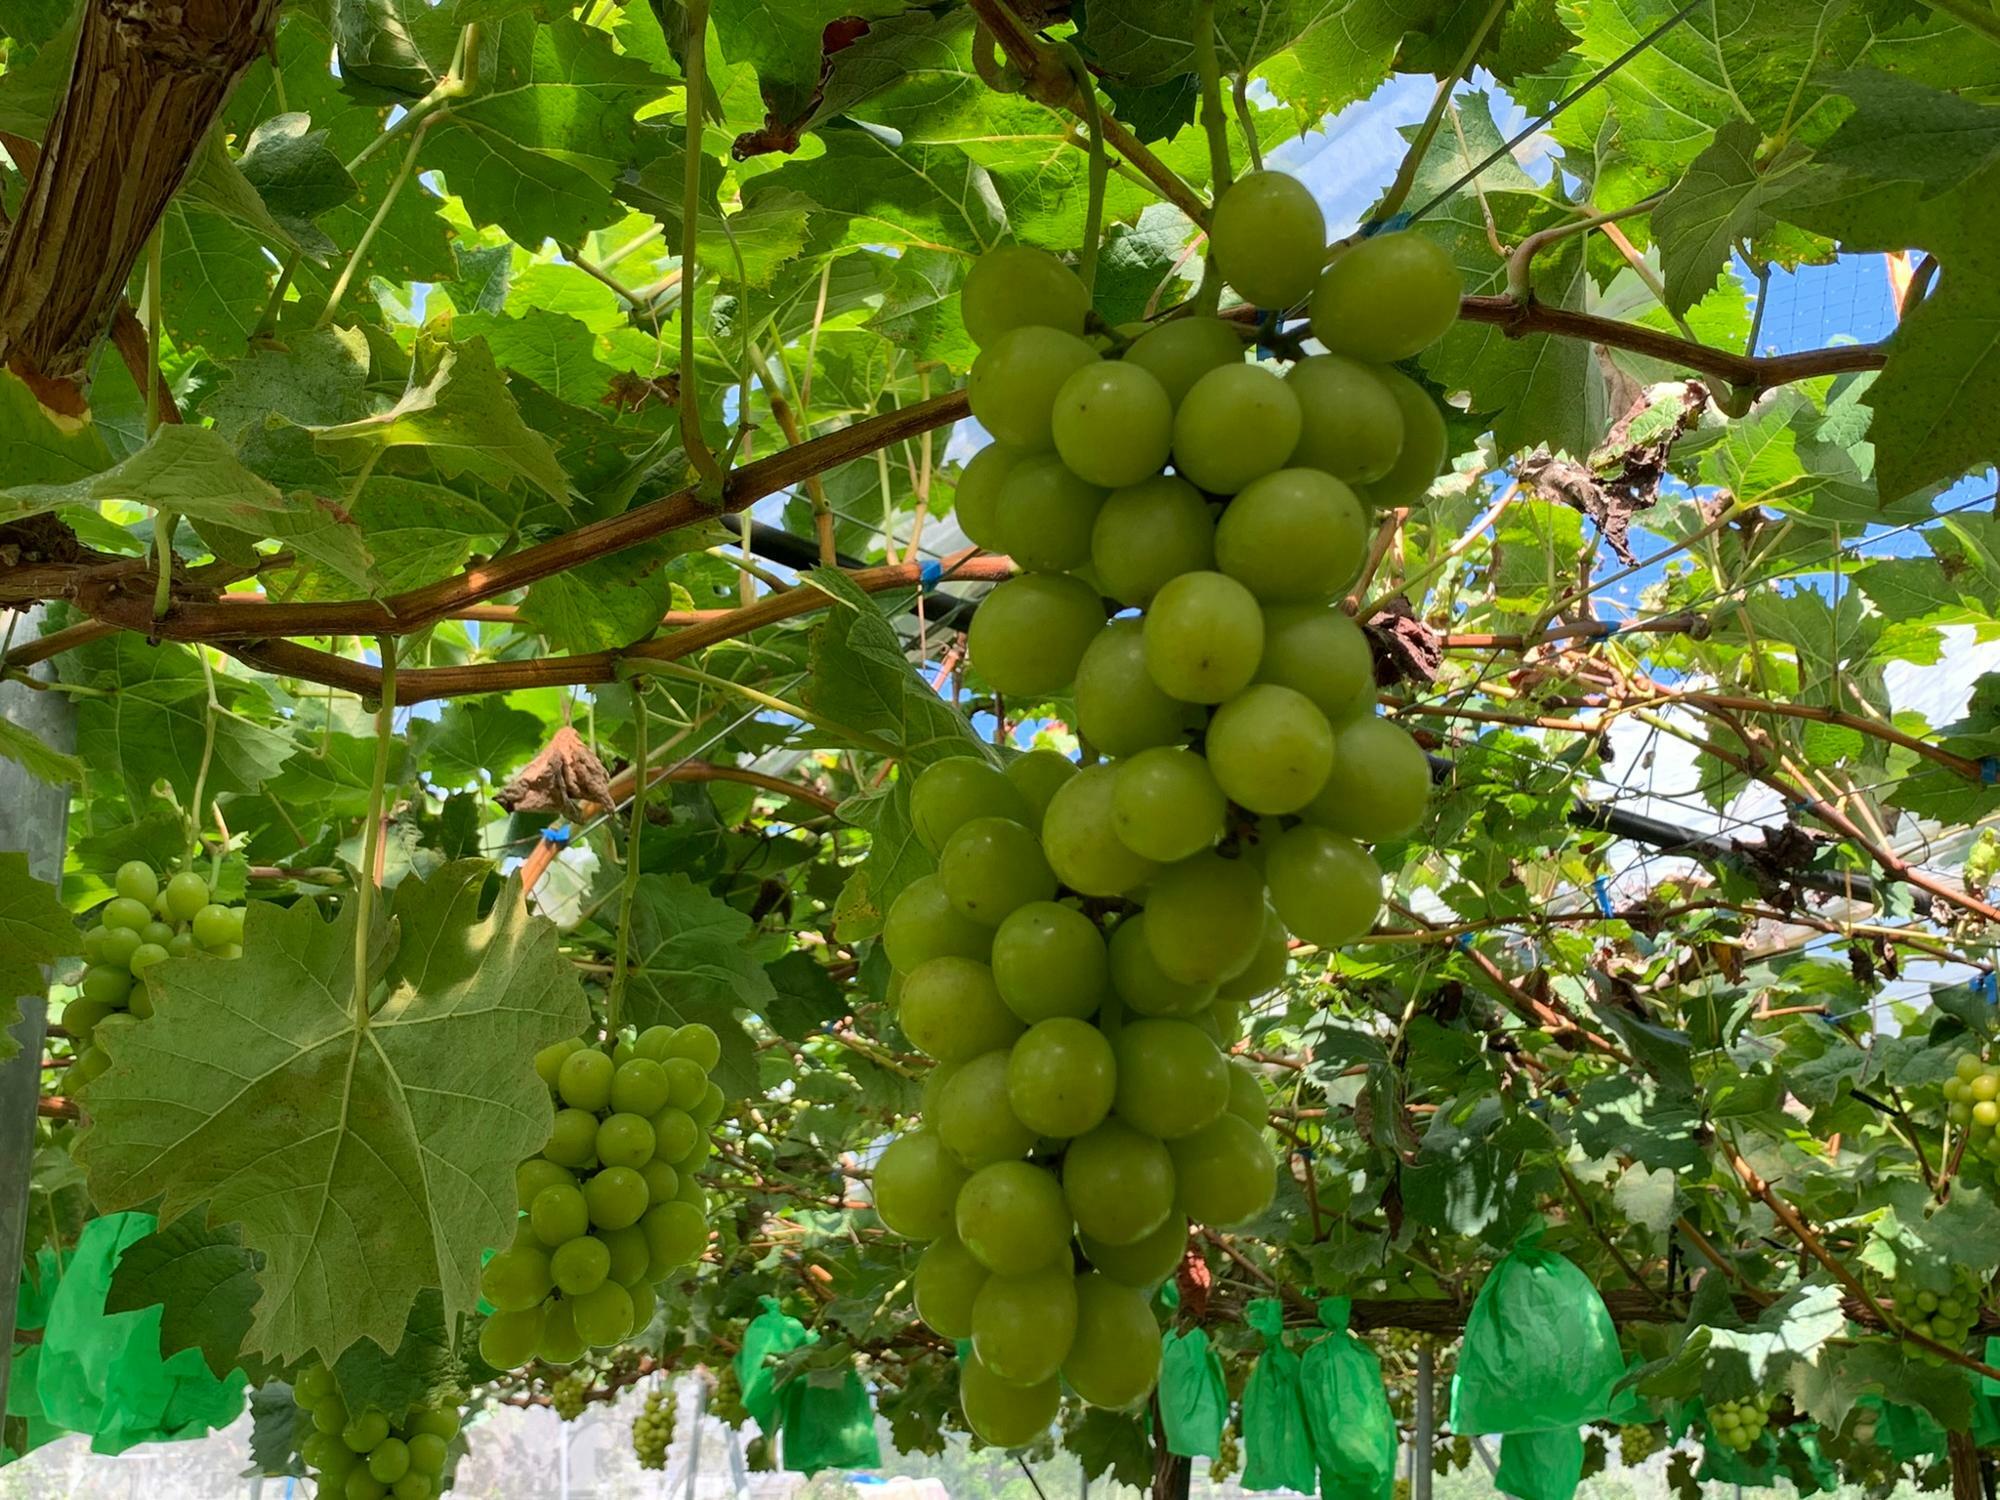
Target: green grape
x,y
1119,708
1172,1080
1049,960
1144,1263
549,1061
1318,650
676,1234
1148,534
708,1109
1165,804
631,1253
1114,1359
427,1450
1270,749
1012,286
1353,427
687,1082
182,945
1080,836
916,1184
560,1344
1060,1077
1269,238
572,1138
80,1017
389,1460
1038,774
1266,971
1118,1182
1002,1413
585,1079
1010,1216
652,1043
329,1415
1425,443
625,1140
184,895
1137,979
559,1214
1180,351
1045,514
1013,385
314,1382
118,945
146,956
1246,1096
1380,783
1387,298
414,1486
974,1118
136,881
1236,424
1223,1172
976,502
1204,635
127,913
1292,537
1113,423
159,934
107,986
1739,1424
639,1087
580,1266
674,1133
1326,888
365,1431
603,1315
935,1080
922,925
947,1280
1205,918
517,1278
616,1195
1028,635
990,866
440,1421
361,1485
1022,1325
1636,1443
953,1011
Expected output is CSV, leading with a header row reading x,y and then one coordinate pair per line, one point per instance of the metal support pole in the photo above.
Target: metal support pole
x,y
1423,1441
33,818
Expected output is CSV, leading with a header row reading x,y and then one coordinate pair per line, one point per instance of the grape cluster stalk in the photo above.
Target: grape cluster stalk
x,y
146,922
1078,963
365,1455
612,1205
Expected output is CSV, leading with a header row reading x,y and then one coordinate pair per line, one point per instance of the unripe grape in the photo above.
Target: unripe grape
x,y
1045,513
950,793
1205,918
975,1118
1013,384
990,866
1120,709
1148,534
1426,444
1146,1262
1013,286
1325,888
585,1079
1180,351
917,1184
137,881
1022,1326
1166,805
1080,837
1011,1217
1138,980
1114,1356
1049,960
1270,749
1060,1077
1267,970
1118,1182
1380,783
922,924
947,1280
1353,423
1236,424
1292,537
1269,238
1113,423
1204,635
1002,1413
1387,298
1318,650
976,501
1028,635
184,895
1224,1174
1171,1078
1038,774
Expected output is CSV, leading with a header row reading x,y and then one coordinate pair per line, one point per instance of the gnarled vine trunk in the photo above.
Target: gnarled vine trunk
x,y
147,82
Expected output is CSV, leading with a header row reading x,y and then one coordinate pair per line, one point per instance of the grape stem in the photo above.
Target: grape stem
x,y
1420,143
629,888
694,59
369,876
1520,285
1209,295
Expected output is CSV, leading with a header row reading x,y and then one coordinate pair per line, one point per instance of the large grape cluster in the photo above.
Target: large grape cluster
x,y
1738,1424
653,1429
611,1205
364,1455
146,923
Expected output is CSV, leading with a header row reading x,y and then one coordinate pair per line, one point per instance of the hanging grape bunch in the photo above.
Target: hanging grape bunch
x,y
1946,1317
653,1429
145,923
612,1205
569,1396
365,1456
1972,1102
1738,1424
1637,1442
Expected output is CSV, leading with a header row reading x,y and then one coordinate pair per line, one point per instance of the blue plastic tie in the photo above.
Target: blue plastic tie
x,y
1989,770
1268,321
1389,225
930,572
1463,942
1601,888
1984,984
556,833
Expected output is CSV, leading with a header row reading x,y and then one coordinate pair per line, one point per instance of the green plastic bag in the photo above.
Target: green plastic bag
x,y
31,1311
1277,1443
1541,1465
771,1333
1539,1349
828,1426
1347,1410
103,1374
1803,1462
1194,1402
1906,1432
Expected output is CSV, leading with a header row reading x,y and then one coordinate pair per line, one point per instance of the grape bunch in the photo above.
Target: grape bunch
x,y
145,923
1082,1109
569,1396
365,1456
612,1204
725,1398
1738,1424
1228,1456
1946,1317
1637,1442
1972,1102
1230,507
653,1429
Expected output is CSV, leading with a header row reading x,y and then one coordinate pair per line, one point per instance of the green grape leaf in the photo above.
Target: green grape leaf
x,y
366,1163
918,196
610,602
422,1365
299,177
804,996
204,1280
49,766
895,858
277,1427
1626,1115
1720,199
691,961
1718,1362
557,352
44,447
213,278
477,738
1471,1176
35,930
1828,1388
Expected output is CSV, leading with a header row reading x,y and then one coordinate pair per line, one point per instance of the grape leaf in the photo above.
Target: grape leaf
x,y
48,766
481,737
204,1280
804,996
42,446
895,858
691,961
366,1163
1720,199
421,1366
214,276
277,1427
35,931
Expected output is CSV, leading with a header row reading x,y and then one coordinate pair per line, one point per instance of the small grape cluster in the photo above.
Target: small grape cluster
x,y
1637,1442
365,1456
1228,1457
1943,1317
725,1400
1972,1102
653,1429
1866,1420
612,1204
146,923
1738,1424
569,1395
1451,1455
